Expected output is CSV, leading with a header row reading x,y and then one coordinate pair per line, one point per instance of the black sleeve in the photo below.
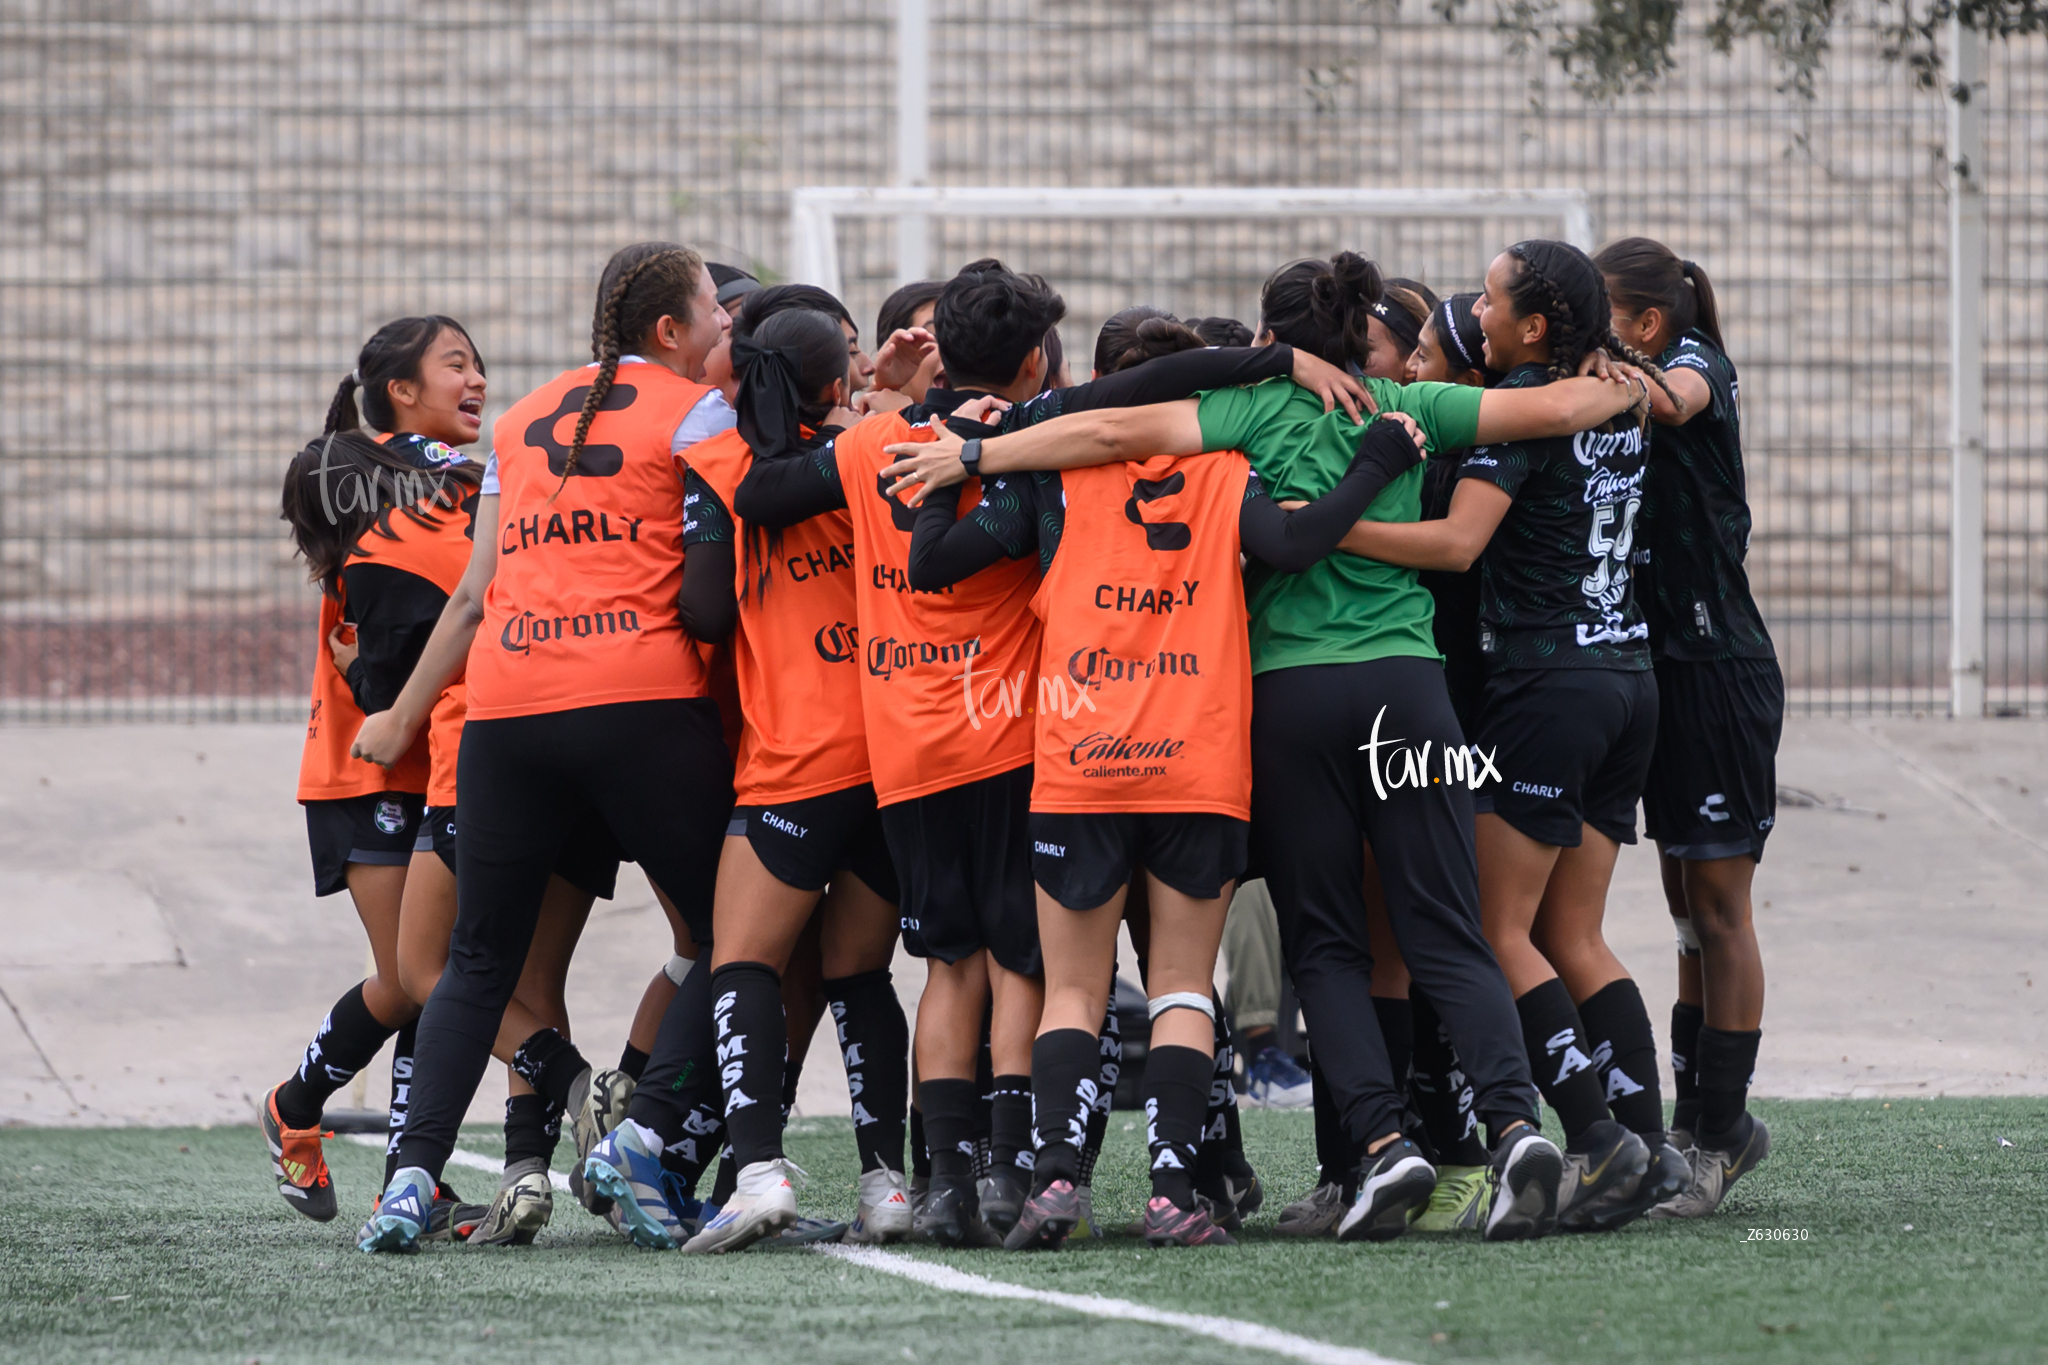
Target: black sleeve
x,y
945,547
1294,541
707,605
395,611
792,488
1181,375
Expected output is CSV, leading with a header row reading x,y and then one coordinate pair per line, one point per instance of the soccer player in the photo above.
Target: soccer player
x,y
946,687
1568,716
1345,683
1393,328
1711,795
806,812
1142,758
380,523
585,694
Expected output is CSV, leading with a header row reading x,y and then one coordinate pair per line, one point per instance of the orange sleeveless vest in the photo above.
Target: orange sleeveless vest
x,y
1145,677
947,678
582,609
439,554
796,648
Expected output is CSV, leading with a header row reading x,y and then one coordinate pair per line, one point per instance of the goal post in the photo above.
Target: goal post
x,y
815,210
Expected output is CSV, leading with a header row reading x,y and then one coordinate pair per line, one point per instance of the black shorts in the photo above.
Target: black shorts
x,y
1084,858
378,828
804,842
589,860
964,859
1572,746
1713,786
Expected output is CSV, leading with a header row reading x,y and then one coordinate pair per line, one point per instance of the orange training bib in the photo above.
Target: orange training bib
x,y
582,610
1145,678
948,677
796,650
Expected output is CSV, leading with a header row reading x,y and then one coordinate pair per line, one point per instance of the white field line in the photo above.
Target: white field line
x,y
476,1161
1230,1331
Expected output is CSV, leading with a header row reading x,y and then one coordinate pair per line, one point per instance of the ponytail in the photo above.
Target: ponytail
x,y
1323,306
1642,273
392,355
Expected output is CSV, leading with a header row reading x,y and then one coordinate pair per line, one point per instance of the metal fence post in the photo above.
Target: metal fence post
x,y
913,134
1966,372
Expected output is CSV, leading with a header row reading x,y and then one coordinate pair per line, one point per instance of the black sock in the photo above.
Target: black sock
x,y
1686,1021
1625,1050
532,1128
632,1061
1335,1158
1560,1058
1064,1079
1009,1134
1222,1149
984,1104
728,1178
401,1096
1397,1026
1109,1071
920,1154
349,1040
1441,1092
874,1043
679,1096
792,1075
753,1045
949,1107
550,1064
1176,1093
1727,1062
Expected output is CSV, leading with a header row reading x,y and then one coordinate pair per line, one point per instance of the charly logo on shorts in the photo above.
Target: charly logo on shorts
x,y
390,817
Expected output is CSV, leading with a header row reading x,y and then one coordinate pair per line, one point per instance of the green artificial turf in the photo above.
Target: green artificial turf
x,y
1921,1237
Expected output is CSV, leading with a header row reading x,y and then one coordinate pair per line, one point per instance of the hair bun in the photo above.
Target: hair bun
x,y
1357,279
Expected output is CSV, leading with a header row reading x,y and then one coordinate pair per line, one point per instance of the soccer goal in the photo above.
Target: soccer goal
x,y
1194,250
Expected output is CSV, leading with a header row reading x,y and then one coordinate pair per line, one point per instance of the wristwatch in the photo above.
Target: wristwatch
x,y
970,457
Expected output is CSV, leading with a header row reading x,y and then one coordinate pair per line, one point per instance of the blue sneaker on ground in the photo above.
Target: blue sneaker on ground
x,y
402,1214
624,1170
1273,1081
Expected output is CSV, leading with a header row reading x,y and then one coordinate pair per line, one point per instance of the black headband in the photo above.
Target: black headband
x,y
769,396
1399,321
1447,331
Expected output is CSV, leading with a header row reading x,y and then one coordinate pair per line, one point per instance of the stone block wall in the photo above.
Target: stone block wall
x,y
206,206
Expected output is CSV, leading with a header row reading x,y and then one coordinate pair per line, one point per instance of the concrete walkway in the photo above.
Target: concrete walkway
x,y
163,959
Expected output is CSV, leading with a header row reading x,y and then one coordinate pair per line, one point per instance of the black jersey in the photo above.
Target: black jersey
x,y
1694,533
1556,589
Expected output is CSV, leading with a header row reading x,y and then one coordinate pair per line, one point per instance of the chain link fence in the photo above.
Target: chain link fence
x,y
204,213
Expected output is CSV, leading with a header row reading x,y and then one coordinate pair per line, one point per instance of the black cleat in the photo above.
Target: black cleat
x,y
1391,1185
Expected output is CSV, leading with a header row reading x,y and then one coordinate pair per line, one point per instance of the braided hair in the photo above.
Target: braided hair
x,y
1559,281
641,285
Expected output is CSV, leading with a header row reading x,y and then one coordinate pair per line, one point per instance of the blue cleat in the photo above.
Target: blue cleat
x,y
623,1170
402,1215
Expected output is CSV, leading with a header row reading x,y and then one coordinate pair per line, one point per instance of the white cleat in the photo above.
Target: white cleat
x,y
884,1209
763,1204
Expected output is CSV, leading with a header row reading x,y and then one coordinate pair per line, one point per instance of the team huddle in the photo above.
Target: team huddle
x,y
1378,618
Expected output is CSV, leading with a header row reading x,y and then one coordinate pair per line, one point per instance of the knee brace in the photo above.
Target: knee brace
x,y
1180,1000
